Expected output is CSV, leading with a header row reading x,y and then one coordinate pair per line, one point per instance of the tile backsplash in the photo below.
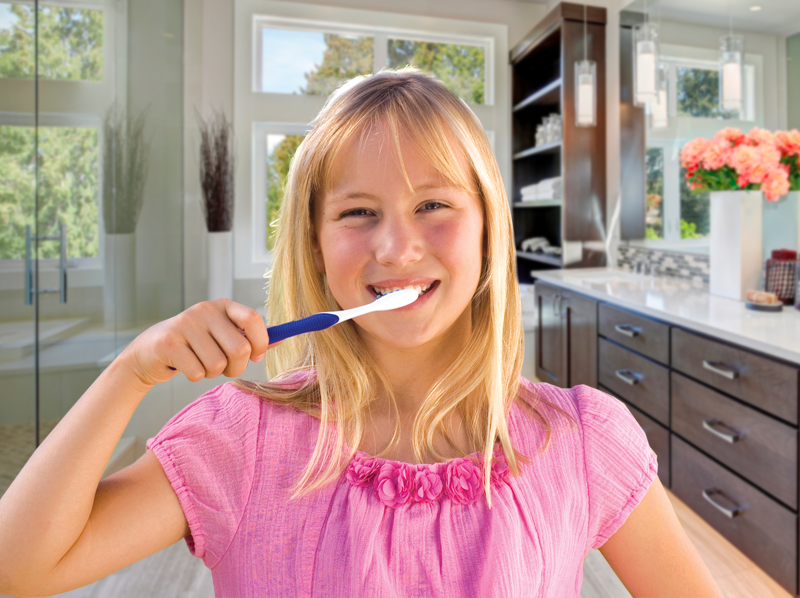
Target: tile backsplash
x,y
689,266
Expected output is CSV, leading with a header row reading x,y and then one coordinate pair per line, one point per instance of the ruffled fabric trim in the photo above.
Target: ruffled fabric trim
x,y
397,484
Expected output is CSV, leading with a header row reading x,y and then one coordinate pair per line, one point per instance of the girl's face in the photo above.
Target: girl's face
x,y
373,234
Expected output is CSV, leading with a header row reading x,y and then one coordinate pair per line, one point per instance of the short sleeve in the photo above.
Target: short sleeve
x,y
620,465
208,452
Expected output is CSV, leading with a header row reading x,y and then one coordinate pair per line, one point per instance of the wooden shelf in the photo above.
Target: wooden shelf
x,y
540,257
548,203
547,148
549,94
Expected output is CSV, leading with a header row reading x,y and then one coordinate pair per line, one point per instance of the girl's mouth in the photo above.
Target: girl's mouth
x,y
425,290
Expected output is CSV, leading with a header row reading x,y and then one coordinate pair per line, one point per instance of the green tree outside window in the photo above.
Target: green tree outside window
x,y
70,43
278,161
67,187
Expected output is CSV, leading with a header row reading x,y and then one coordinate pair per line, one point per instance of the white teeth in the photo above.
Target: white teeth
x,y
418,288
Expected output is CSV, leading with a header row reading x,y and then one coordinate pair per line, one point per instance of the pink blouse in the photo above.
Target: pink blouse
x,y
389,529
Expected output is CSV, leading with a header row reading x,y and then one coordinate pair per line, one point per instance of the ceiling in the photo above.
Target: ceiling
x,y
776,17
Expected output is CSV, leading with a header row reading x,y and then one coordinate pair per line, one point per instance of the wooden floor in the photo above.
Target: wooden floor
x,y
174,572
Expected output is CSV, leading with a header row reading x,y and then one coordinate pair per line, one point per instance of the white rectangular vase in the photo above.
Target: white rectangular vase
x,y
735,258
220,265
119,287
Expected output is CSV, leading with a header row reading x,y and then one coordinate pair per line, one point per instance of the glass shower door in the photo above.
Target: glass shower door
x,y
91,168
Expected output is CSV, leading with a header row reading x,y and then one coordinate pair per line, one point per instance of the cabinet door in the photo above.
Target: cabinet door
x,y
550,345
580,319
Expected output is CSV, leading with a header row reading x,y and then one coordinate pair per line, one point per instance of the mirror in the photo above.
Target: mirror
x,y
658,209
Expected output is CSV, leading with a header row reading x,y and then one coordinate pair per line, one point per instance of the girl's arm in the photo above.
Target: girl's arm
x,y
653,556
61,527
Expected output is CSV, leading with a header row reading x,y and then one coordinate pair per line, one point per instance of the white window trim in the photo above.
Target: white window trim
x,y
256,113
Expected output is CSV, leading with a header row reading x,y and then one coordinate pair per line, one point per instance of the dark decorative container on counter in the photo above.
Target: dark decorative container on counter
x,y
780,276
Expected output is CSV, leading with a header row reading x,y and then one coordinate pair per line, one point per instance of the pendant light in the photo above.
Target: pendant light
x,y
645,62
731,70
659,113
585,86
660,108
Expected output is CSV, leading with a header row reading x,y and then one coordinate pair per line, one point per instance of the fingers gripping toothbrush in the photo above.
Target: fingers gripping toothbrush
x,y
326,319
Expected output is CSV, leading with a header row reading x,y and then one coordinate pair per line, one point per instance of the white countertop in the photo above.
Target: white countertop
x,y
688,305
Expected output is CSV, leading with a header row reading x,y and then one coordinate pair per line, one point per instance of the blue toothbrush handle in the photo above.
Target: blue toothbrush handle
x,y
319,321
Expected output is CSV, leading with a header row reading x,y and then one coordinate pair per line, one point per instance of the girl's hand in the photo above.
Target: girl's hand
x,y
206,340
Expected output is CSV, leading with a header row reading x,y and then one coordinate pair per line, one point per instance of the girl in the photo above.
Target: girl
x,y
400,454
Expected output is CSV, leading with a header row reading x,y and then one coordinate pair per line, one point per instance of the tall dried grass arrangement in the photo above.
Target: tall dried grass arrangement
x,y
125,165
217,164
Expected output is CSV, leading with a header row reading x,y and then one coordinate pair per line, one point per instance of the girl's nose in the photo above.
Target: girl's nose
x,y
397,242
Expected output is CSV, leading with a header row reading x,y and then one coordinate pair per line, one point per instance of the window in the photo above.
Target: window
x,y
67,189
317,59
287,63
673,213
74,49
70,42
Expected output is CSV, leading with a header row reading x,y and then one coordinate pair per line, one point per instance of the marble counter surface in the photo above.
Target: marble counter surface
x,y
688,305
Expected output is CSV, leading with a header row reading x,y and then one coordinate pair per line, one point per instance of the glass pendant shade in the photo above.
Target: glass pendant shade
x,y
585,93
645,63
660,108
731,72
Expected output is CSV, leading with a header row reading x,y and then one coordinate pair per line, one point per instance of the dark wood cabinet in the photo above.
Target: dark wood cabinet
x,y
543,83
721,418
566,337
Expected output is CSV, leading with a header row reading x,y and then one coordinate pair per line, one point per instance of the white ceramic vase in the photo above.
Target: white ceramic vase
x,y
735,258
220,265
119,273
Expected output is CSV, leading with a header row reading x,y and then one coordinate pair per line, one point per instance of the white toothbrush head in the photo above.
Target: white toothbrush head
x,y
394,300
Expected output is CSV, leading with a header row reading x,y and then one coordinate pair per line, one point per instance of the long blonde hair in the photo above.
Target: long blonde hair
x,y
483,380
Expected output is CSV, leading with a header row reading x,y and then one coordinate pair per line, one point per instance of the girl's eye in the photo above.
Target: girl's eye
x,y
430,206
355,212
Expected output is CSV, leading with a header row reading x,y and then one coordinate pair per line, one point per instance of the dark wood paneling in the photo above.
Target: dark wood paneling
x,y
583,154
651,337
762,382
765,451
581,320
632,147
764,530
651,391
551,346
657,437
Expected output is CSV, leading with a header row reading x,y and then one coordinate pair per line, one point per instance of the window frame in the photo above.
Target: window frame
x,y
62,96
258,113
689,127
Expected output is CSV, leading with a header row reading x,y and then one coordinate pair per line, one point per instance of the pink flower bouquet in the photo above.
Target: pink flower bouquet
x,y
758,160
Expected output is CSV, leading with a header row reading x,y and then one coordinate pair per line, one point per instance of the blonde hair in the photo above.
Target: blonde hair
x,y
485,377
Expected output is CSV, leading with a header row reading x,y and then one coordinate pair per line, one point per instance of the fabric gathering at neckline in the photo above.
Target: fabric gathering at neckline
x,y
398,484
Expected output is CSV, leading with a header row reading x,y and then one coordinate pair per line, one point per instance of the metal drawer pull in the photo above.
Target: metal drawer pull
x,y
627,376
709,424
730,513
627,330
720,368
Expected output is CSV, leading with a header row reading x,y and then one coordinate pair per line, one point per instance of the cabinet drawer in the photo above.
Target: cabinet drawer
x,y
641,382
657,438
765,451
762,529
635,332
762,382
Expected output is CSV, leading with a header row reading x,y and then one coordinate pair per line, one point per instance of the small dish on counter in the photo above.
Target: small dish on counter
x,y
763,306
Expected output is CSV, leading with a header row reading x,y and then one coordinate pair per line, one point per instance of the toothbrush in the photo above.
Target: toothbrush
x,y
326,319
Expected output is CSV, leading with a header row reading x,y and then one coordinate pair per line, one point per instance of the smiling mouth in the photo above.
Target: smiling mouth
x,y
421,289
